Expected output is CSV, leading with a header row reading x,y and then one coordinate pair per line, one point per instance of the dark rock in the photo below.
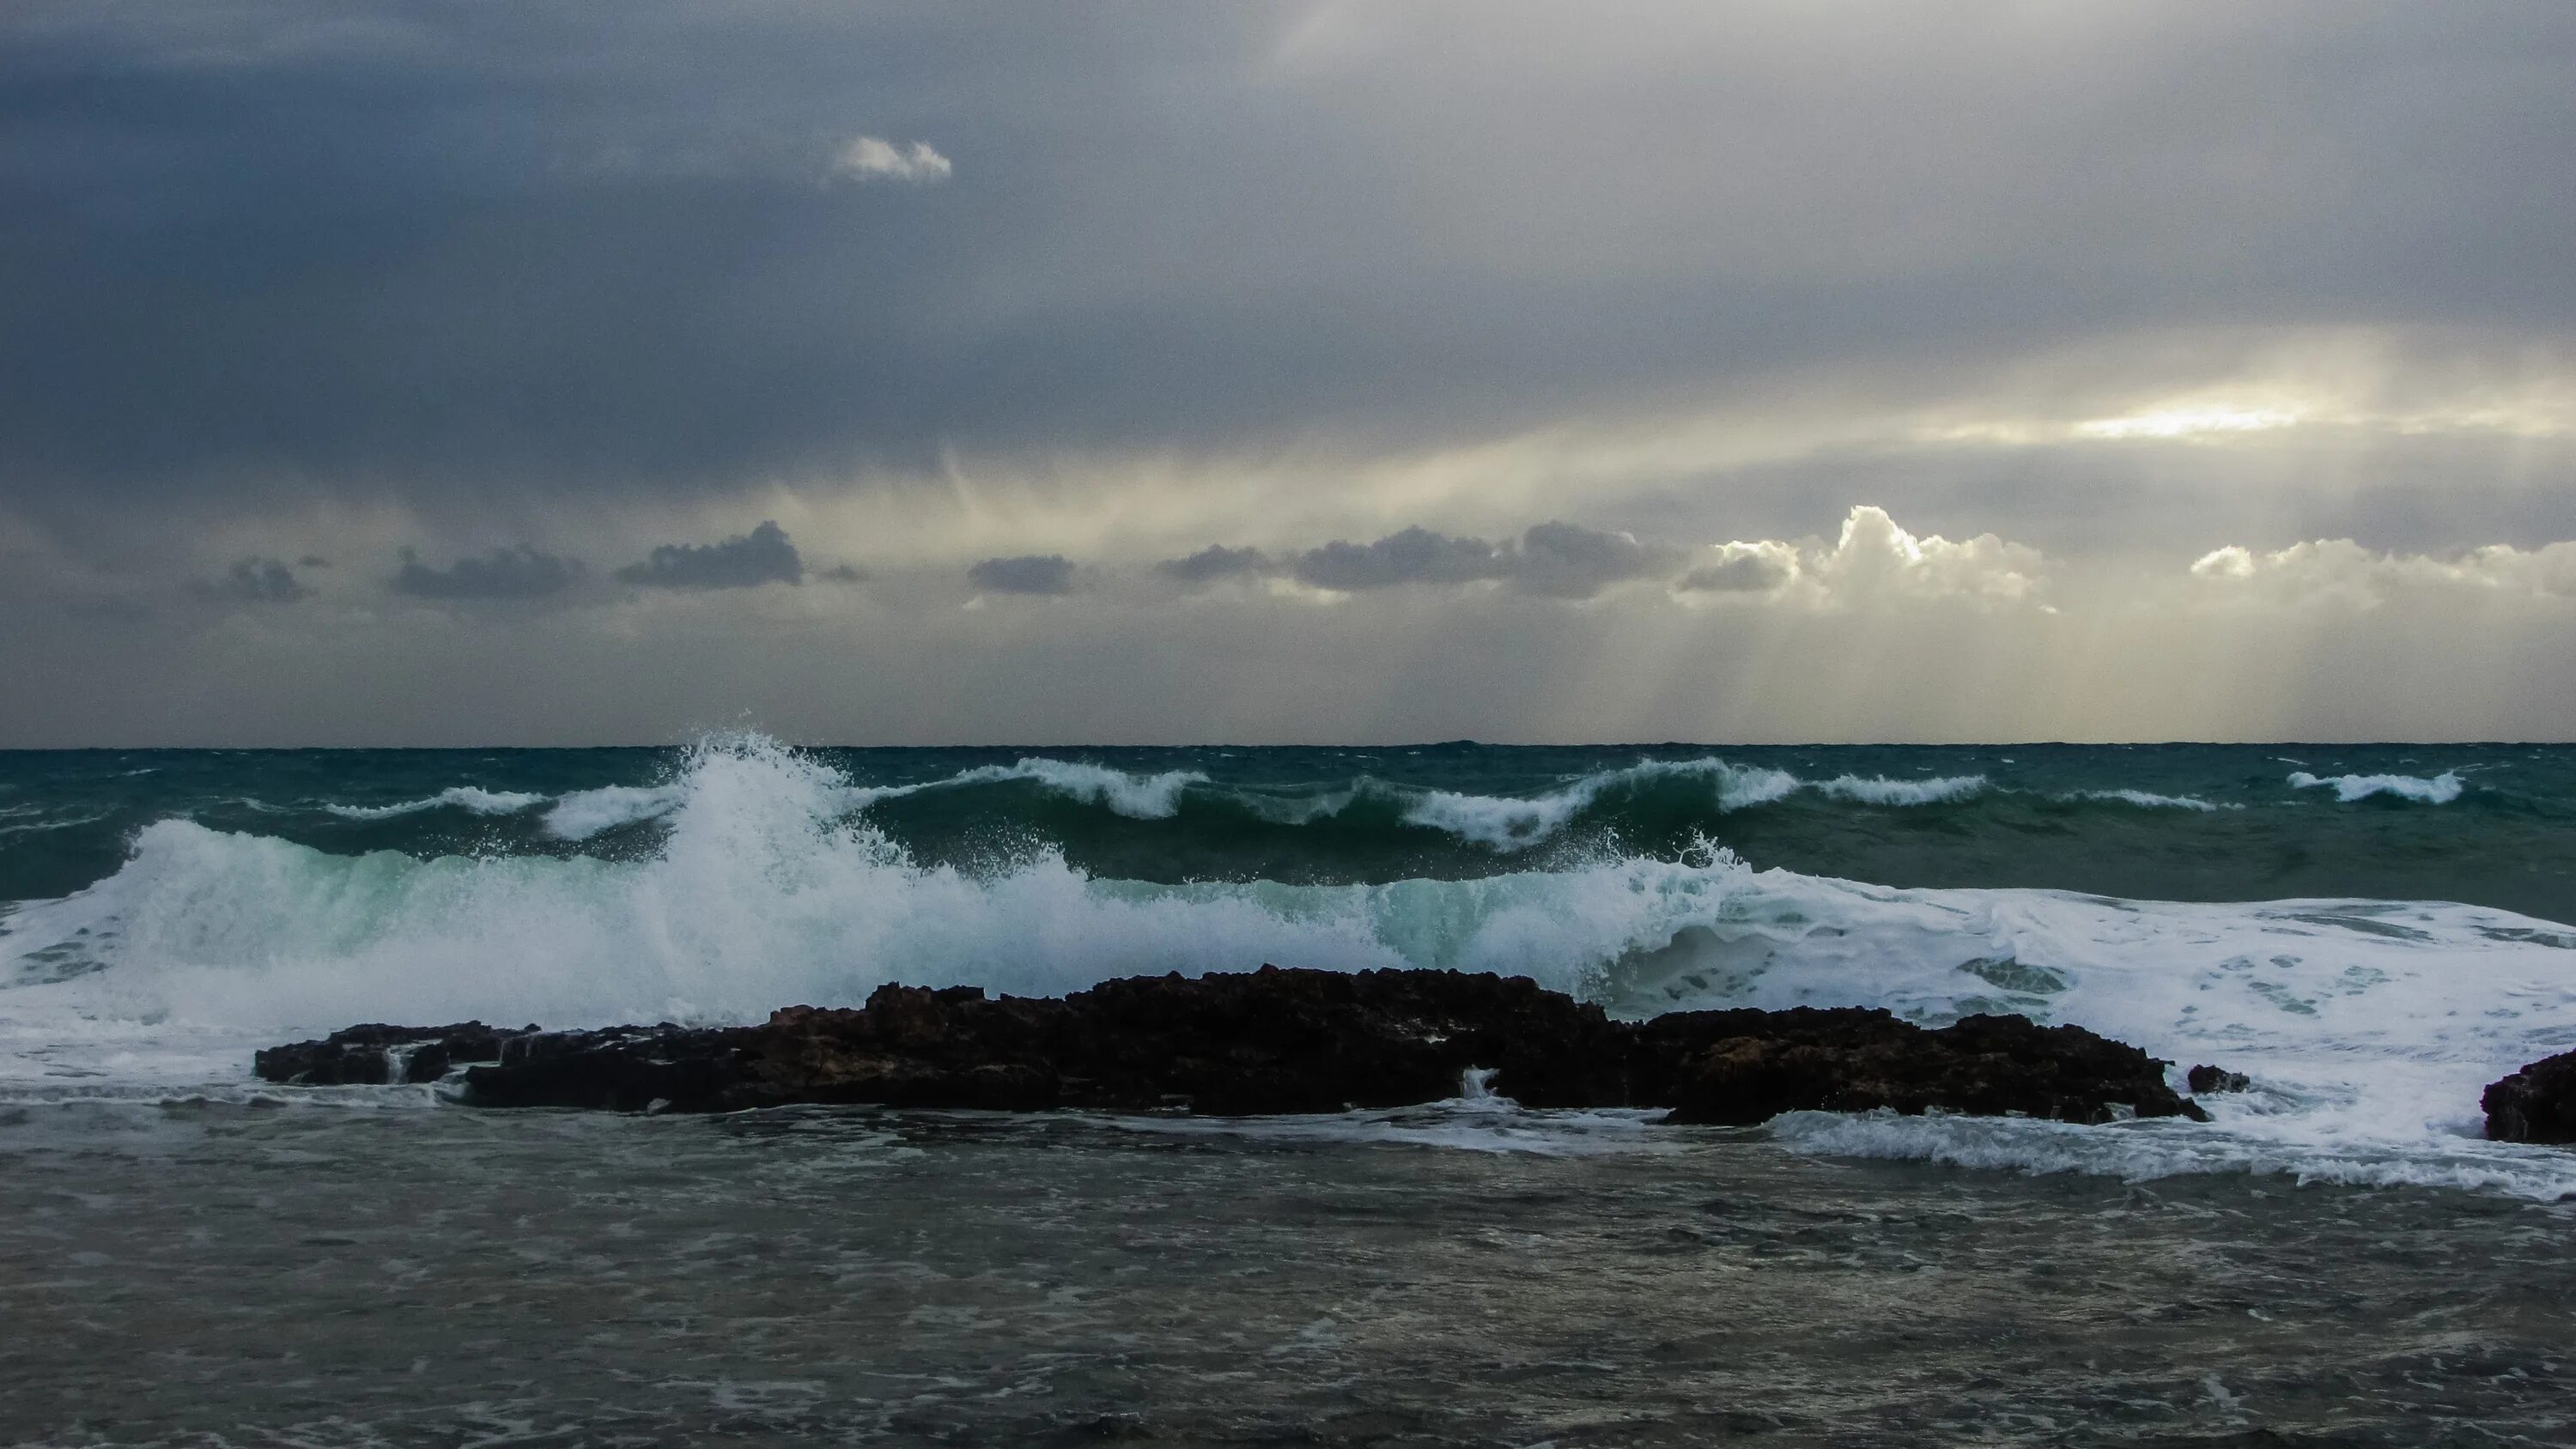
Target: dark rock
x,y
374,1055
1276,1041
1271,1041
1743,1067
2206,1078
621,1069
2536,1104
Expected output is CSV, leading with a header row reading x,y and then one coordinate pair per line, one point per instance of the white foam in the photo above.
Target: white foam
x,y
1878,790
2146,1150
1476,1120
1138,797
1510,823
14,826
461,797
585,813
2147,800
2370,1027
2441,789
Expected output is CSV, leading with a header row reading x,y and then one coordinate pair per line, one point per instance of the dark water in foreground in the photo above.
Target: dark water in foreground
x,y
226,1274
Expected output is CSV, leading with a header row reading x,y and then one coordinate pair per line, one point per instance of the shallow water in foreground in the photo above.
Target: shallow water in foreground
x,y
360,1268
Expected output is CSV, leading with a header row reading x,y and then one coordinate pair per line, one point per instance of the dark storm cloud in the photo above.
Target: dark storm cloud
x,y
1415,556
1214,562
1560,560
1565,561
255,581
520,572
459,253
1043,573
762,556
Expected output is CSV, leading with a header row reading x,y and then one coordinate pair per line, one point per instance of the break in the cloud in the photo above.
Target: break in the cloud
x,y
2071,295
1049,573
516,572
255,581
763,556
870,158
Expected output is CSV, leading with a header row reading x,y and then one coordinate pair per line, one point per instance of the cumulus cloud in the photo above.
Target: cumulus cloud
x,y
870,158
1036,573
2341,569
762,556
1876,557
256,581
1742,568
518,572
1215,562
1564,561
1415,556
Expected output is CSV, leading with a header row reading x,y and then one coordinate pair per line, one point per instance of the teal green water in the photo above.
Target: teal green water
x,y
2482,824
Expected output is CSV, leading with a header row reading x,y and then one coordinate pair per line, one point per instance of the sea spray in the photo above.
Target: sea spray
x,y
2368,1025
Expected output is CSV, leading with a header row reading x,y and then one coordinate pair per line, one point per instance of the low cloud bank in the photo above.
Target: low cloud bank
x,y
517,572
762,556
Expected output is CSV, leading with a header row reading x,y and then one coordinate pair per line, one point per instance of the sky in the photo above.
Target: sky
x,y
548,373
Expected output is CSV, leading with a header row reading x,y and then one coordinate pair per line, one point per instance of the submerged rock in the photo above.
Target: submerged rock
x,y
2536,1104
375,1055
1276,1041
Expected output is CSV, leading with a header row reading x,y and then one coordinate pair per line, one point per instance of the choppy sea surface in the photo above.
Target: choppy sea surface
x,y
2372,933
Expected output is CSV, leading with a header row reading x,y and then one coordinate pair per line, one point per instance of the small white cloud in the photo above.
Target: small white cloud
x,y
2235,561
870,158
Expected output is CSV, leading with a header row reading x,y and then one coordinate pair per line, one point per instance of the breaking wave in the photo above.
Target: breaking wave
x,y
1500,823
2441,789
585,813
2369,1026
460,797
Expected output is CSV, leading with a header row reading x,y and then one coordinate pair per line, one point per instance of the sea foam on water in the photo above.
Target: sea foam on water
x,y
2368,1026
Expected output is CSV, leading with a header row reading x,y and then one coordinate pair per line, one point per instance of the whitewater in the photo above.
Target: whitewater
x,y
2367,1024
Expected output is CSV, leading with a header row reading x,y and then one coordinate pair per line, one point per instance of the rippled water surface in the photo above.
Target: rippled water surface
x,y
390,1273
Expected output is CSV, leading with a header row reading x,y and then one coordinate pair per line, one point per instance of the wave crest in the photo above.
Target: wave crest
x,y
2369,1026
471,798
2441,789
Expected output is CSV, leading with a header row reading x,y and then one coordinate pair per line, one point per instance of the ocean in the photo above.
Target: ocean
x,y
2371,933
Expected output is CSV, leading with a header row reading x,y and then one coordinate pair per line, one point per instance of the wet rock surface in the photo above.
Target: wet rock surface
x,y
1742,1067
1283,1041
2536,1104
2206,1078
375,1055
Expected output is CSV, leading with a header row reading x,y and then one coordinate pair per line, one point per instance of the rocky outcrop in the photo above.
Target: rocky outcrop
x,y
2536,1104
1742,1067
2206,1078
376,1055
1276,1041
